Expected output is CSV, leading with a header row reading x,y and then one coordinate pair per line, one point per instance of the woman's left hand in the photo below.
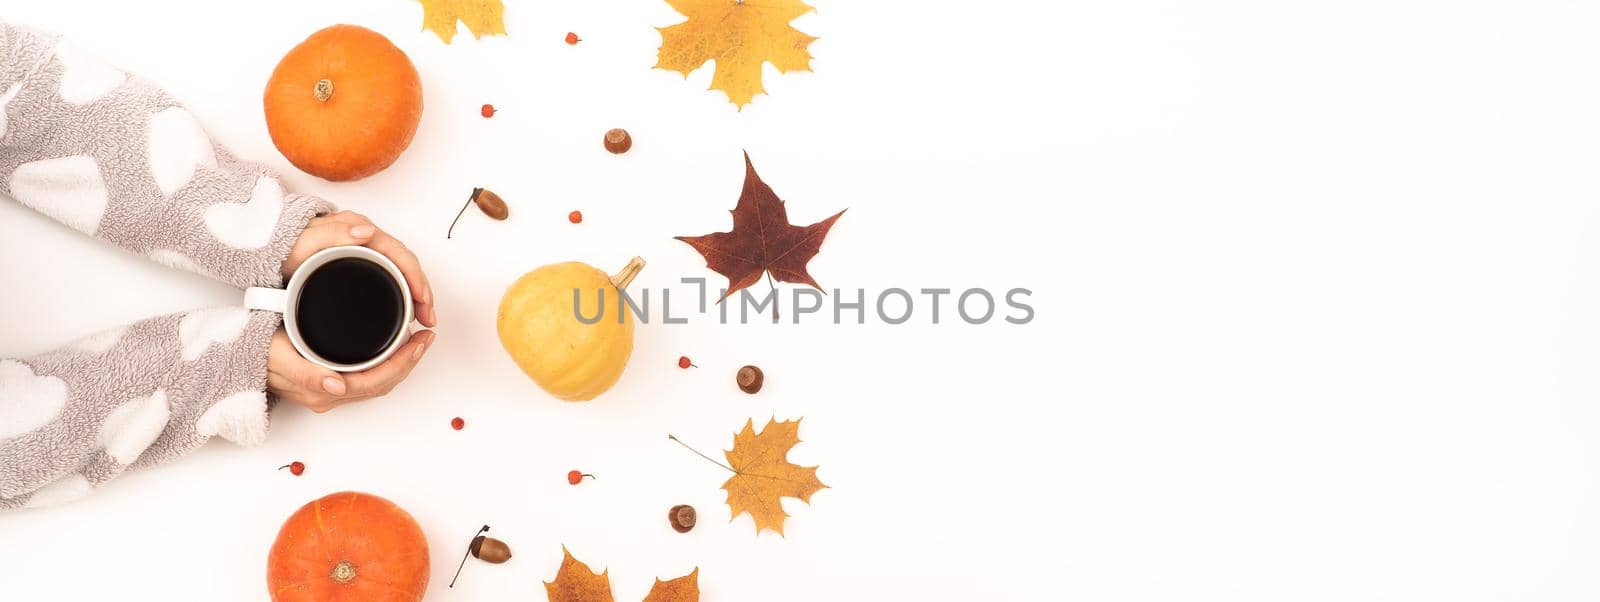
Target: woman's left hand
x,y
351,228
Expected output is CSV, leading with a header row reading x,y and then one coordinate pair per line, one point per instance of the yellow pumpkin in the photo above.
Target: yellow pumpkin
x,y
571,360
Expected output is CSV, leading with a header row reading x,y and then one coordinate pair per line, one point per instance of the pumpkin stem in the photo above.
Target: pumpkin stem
x,y
344,572
622,278
324,90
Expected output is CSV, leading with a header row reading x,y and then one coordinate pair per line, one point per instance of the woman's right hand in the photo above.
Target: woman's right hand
x,y
293,378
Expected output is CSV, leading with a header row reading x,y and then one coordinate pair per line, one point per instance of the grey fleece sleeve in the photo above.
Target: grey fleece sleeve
x,y
116,158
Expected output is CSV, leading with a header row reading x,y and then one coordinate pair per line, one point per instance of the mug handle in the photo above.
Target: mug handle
x,y
267,299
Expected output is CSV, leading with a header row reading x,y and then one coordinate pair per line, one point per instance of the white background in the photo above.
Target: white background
x,y
1315,281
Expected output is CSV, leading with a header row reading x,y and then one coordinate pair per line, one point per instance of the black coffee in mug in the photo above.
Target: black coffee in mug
x,y
350,310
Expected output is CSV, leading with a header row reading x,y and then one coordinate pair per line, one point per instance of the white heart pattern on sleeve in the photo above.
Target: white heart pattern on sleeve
x,y
101,342
178,146
66,489
68,189
248,225
240,418
84,76
199,330
177,261
27,400
134,425
5,99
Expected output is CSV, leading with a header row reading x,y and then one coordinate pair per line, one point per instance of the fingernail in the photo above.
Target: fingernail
x,y
421,347
362,231
333,384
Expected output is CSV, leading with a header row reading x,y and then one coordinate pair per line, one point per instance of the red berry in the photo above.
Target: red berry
x,y
574,477
575,217
683,362
457,423
296,468
573,38
487,111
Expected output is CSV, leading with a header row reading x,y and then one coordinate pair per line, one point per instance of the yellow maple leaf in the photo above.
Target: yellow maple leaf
x,y
483,17
762,473
576,582
740,35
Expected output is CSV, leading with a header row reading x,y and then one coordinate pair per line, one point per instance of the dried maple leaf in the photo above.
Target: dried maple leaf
x,y
575,582
740,35
762,239
682,589
762,473
483,17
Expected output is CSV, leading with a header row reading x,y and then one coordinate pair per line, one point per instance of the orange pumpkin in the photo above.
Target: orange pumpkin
x,y
348,546
343,104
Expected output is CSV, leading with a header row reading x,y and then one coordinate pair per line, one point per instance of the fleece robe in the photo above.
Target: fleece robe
x,y
114,157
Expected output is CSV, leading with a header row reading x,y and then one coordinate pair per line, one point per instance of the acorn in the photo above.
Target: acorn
x,y
749,379
618,141
681,517
487,201
485,548
491,204
490,550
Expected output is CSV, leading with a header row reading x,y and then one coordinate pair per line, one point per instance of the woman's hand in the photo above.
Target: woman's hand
x,y
291,377
351,228
294,378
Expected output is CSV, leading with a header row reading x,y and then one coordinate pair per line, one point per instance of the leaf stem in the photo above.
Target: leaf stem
x,y
774,286
697,452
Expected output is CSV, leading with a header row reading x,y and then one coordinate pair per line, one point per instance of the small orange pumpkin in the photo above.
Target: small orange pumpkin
x,y
348,546
343,104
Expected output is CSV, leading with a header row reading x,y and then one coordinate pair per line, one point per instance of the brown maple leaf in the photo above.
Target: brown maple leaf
x,y
576,582
762,240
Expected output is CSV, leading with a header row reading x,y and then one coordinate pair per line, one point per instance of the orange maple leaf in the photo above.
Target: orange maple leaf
x,y
576,582
682,589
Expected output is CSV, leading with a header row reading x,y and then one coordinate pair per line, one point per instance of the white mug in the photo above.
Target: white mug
x,y
284,300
